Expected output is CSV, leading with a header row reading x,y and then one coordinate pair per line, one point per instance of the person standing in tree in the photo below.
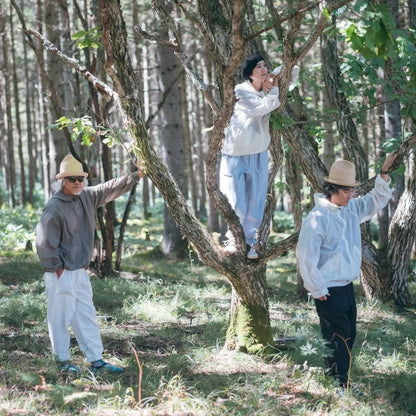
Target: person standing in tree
x,y
329,256
244,160
64,243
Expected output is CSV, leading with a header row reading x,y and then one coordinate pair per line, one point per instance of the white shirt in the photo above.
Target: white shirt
x,y
248,131
329,245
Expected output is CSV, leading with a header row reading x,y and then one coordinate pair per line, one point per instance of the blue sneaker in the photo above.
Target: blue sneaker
x,y
100,365
67,366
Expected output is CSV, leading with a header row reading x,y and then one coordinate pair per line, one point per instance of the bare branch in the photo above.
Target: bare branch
x,y
176,45
103,88
153,38
293,14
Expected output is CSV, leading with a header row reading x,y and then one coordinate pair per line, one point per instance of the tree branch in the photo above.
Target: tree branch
x,y
176,45
293,14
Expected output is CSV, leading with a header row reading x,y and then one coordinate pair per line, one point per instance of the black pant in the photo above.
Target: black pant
x,y
338,320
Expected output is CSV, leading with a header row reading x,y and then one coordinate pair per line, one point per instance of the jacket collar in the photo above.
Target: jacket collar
x,y
65,197
322,201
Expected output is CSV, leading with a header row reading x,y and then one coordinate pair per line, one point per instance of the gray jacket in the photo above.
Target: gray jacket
x,y
65,233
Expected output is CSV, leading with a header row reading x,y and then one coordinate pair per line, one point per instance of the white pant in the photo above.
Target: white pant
x,y
70,304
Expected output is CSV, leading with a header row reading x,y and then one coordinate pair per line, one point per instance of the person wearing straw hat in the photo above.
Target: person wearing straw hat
x,y
64,243
329,256
244,160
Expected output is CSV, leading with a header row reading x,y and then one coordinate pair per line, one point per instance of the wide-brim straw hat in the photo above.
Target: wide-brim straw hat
x,y
70,167
342,173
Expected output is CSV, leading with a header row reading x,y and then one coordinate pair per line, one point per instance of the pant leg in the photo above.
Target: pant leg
x,y
255,194
84,321
352,314
61,306
233,183
337,316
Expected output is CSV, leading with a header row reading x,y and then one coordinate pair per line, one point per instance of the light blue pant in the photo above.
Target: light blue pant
x,y
243,180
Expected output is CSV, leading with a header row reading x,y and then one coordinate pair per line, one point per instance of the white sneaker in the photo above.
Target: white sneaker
x,y
252,255
230,247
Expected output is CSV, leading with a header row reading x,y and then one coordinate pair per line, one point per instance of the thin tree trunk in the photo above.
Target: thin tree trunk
x,y
127,209
106,268
188,147
23,198
294,183
10,161
31,153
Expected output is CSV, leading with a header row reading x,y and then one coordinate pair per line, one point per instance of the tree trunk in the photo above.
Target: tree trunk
x,y
172,140
9,160
294,184
249,328
130,202
31,154
401,240
392,128
58,145
23,198
107,233
351,147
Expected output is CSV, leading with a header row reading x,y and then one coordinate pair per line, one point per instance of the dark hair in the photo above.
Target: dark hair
x,y
249,64
329,189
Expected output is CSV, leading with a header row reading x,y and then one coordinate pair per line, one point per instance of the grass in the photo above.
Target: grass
x,y
174,315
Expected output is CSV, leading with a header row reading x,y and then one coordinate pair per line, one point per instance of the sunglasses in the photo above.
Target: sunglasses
x,y
73,179
350,191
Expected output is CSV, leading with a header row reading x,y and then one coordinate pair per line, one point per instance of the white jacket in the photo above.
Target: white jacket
x,y
248,131
329,245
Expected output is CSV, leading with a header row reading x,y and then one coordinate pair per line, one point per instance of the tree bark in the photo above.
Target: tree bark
x,y
249,329
9,160
16,100
171,136
402,239
127,209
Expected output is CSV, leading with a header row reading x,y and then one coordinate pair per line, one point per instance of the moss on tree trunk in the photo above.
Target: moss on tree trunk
x,y
249,329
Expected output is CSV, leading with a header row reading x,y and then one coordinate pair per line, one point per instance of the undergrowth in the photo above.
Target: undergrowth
x,y
174,316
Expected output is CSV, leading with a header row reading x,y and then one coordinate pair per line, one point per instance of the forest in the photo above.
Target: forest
x,y
152,82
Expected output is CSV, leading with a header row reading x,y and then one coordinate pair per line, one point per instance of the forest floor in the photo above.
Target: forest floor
x,y
169,318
